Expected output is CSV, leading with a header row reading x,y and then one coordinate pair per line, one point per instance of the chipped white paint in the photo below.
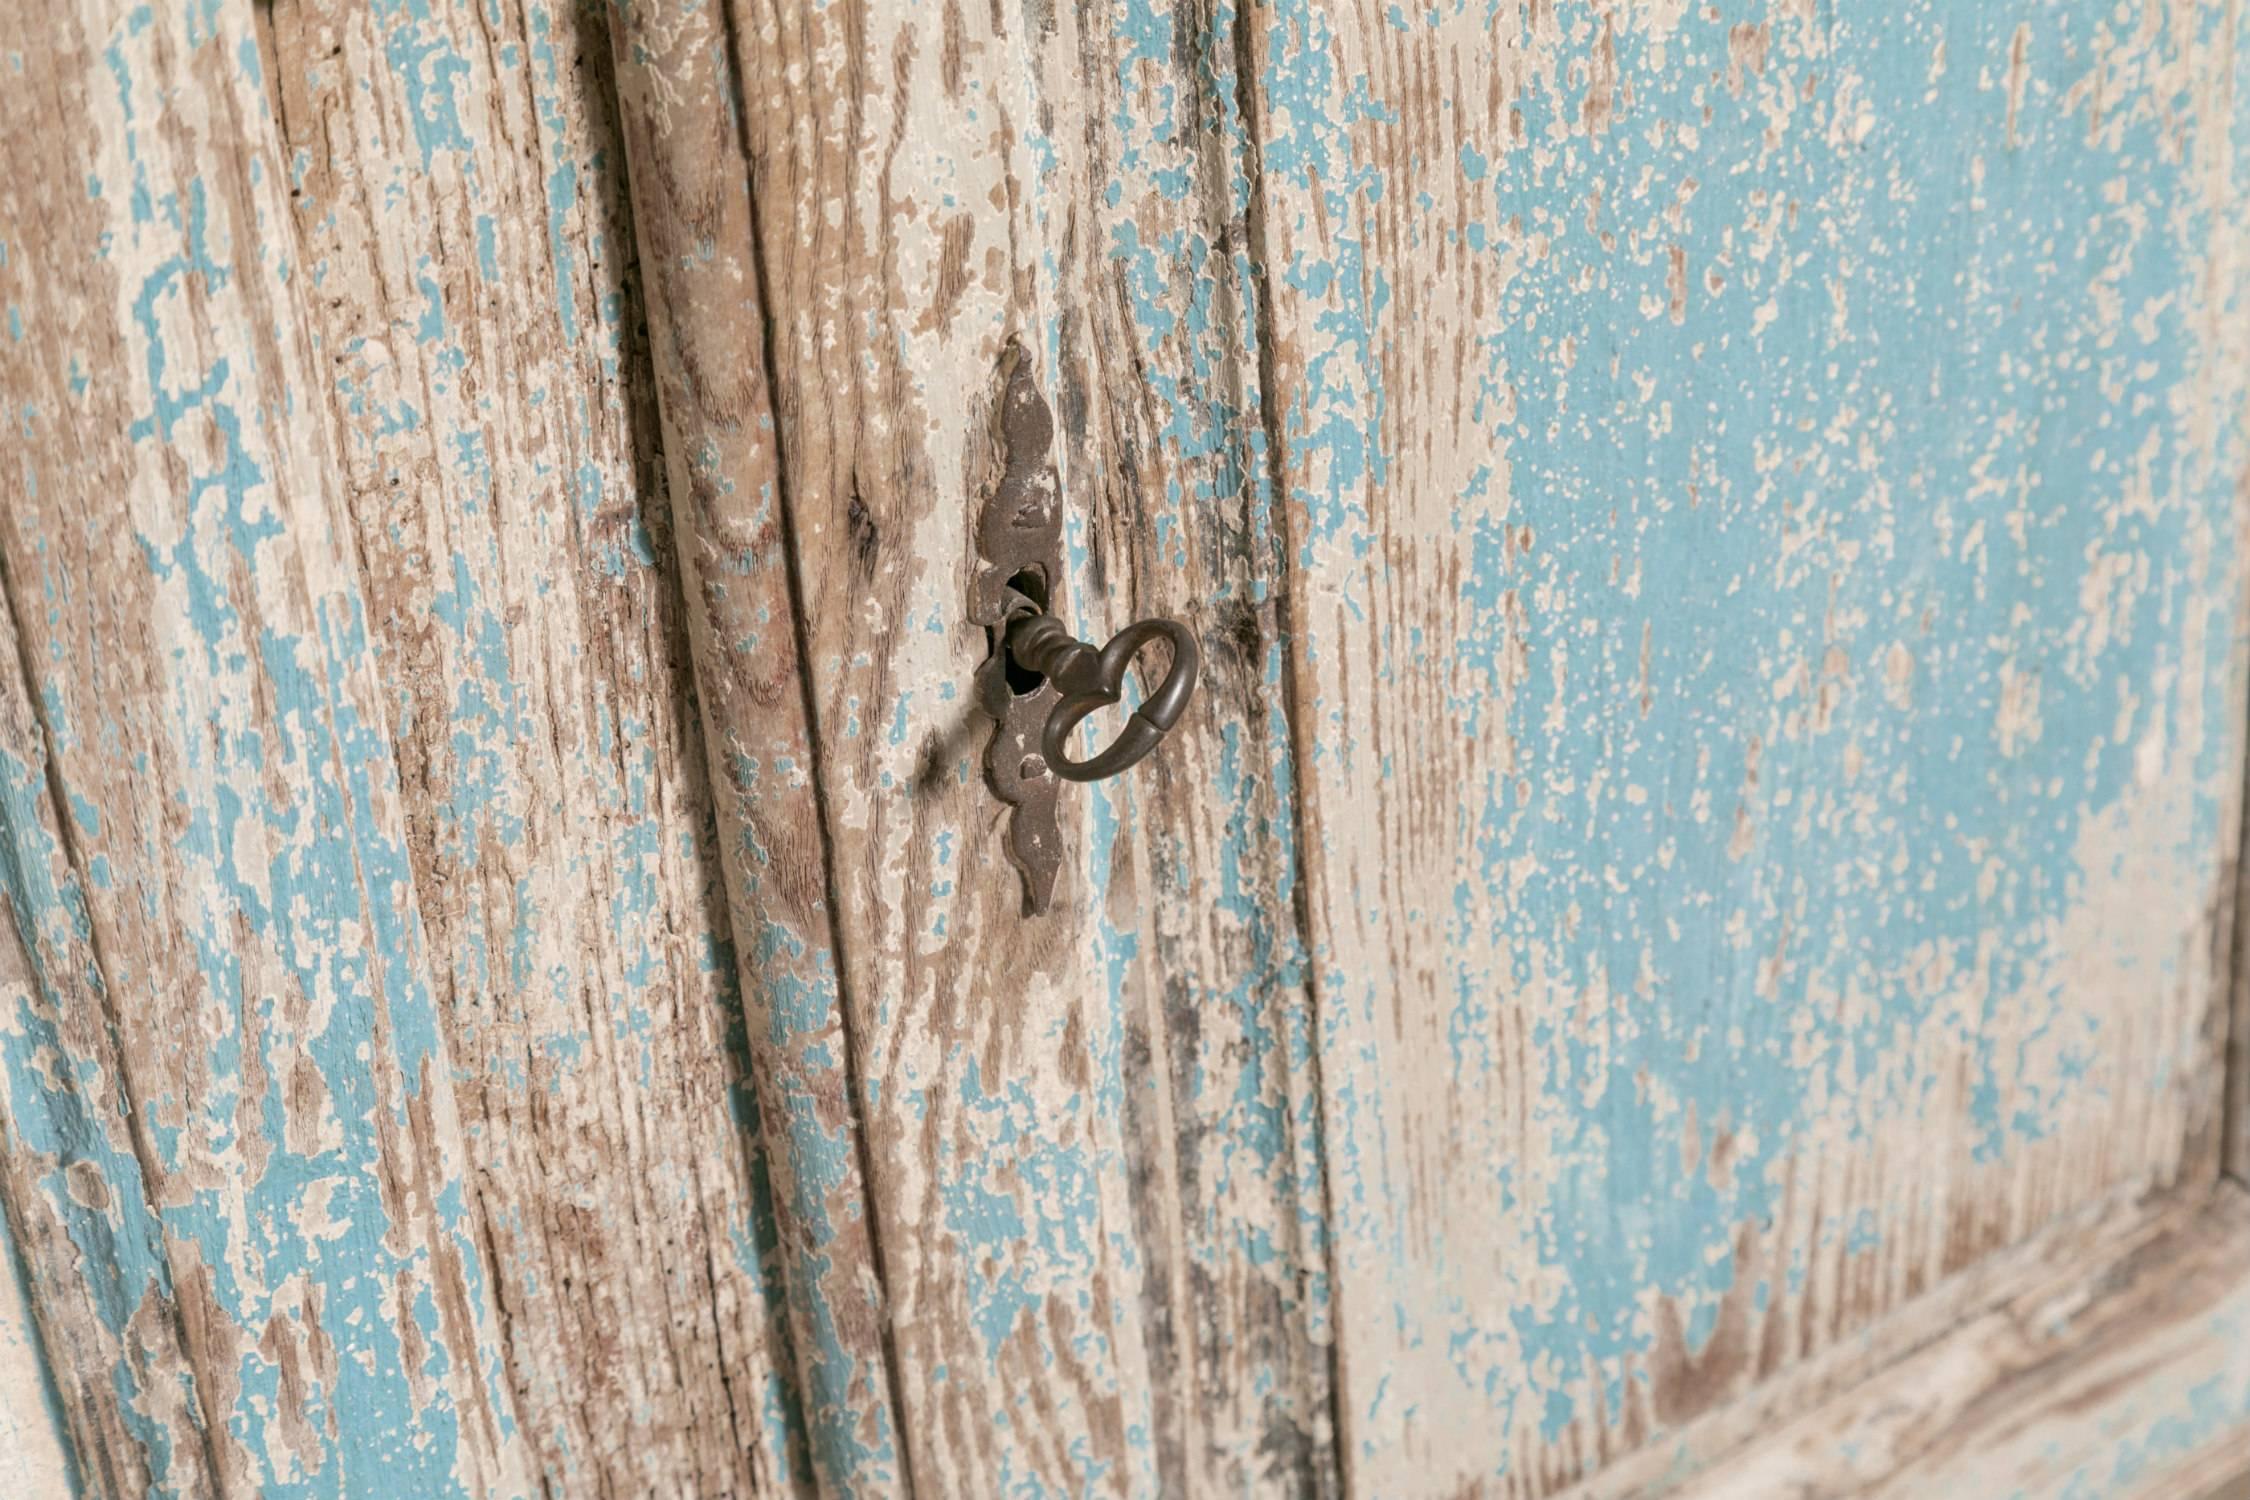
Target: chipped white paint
x,y
1705,840
1764,496
33,1460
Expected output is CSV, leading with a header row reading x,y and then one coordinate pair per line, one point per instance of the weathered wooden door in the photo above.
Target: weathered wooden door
x,y
1683,946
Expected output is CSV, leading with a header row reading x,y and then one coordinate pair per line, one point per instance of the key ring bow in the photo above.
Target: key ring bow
x,y
1089,680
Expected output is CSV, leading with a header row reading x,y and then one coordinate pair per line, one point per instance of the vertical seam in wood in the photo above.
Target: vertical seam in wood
x,y
2232,1000
1300,736
269,75
696,775
2231,1003
144,1154
816,751
740,1441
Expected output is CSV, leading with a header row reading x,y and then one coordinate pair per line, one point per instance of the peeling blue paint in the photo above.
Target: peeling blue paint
x,y
1740,516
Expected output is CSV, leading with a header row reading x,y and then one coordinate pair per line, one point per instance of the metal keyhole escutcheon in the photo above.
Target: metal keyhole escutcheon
x,y
1039,683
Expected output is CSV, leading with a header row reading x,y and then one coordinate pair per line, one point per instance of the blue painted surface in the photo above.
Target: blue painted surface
x,y
239,881
1788,458
1757,526
599,982
250,904
1176,204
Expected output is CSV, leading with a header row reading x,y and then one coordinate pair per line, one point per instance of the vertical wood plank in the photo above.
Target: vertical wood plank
x,y
1160,394
2234,1144
902,206
78,1213
1765,505
1005,1097
34,1451
1089,1141
458,187
209,879
678,98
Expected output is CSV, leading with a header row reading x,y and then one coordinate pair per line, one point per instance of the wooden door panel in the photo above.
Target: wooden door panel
x,y
1086,1144
695,230
2132,1383
1690,913
459,203
1763,505
234,1145
343,294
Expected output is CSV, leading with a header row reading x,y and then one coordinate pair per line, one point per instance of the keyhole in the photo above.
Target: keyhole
x,y
1022,681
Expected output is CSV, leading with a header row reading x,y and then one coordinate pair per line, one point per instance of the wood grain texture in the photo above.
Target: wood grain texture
x,y
1089,1142
2125,1377
2234,1115
2082,1244
77,1209
691,187
34,1449
1158,383
235,1153
457,181
1764,500
2221,1472
1701,859
35,1456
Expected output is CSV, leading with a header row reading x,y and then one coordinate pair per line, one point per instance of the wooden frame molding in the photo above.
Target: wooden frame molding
x,y
2111,1357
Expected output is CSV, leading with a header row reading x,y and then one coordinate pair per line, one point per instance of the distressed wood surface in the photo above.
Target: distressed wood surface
x,y
2123,1377
2234,1118
428,256
1703,856
1088,1144
2081,1244
691,189
1764,500
35,1457
457,181
77,1208
235,1156
2218,1473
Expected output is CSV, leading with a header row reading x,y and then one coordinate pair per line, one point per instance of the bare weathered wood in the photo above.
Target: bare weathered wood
x,y
1763,498
691,190
2233,1105
34,1449
1090,1140
1157,377
2234,1102
456,177
2221,1472
2095,1236
210,884
2124,1376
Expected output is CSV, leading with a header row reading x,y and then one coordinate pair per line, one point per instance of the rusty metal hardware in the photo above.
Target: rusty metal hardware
x,y
1038,683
